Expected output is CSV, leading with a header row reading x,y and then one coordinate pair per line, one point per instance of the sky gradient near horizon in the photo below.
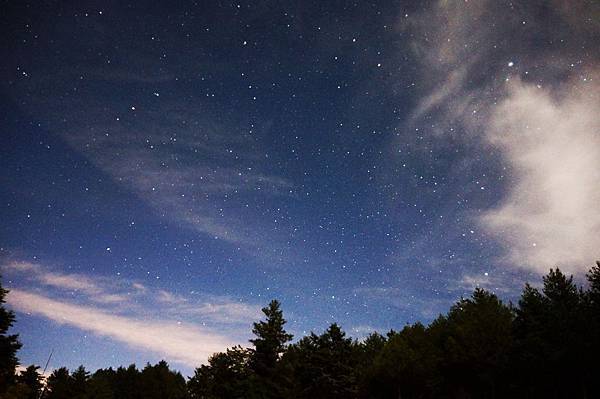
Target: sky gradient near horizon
x,y
167,169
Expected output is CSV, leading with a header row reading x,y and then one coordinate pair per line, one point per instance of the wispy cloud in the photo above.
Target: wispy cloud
x,y
182,328
183,343
478,89
216,309
62,281
550,216
469,281
124,294
405,299
499,284
193,165
187,179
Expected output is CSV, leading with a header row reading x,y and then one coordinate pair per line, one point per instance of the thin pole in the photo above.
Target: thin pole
x,y
48,361
44,373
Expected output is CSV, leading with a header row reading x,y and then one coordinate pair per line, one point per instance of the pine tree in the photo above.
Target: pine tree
x,y
478,344
531,346
79,382
404,367
325,366
9,345
564,331
593,277
31,382
550,334
270,341
593,330
159,382
58,385
226,376
126,382
101,385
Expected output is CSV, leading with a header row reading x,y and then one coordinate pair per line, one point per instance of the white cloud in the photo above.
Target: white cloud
x,y
119,296
178,327
229,311
67,282
472,281
551,214
548,138
170,298
216,309
180,342
139,287
500,284
188,193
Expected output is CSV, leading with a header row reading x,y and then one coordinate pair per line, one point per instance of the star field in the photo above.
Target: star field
x,y
179,165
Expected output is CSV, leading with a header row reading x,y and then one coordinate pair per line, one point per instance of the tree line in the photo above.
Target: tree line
x,y
545,346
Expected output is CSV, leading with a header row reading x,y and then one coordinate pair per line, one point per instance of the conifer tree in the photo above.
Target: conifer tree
x,y
226,376
270,343
564,331
9,344
59,385
79,383
159,382
31,382
593,277
479,343
593,330
325,366
271,339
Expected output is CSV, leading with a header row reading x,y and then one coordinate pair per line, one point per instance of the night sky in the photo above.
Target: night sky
x,y
166,170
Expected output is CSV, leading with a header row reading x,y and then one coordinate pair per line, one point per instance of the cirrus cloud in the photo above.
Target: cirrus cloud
x,y
488,83
550,216
184,329
186,344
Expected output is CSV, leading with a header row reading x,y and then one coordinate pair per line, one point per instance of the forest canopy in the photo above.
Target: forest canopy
x,y
545,346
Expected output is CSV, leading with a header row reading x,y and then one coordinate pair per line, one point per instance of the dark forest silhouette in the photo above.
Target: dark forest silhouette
x,y
546,346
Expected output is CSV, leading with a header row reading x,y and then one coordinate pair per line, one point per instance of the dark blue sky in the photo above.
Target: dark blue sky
x,y
168,169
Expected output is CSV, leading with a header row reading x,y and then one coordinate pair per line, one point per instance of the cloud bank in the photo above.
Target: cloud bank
x,y
182,343
550,216
184,329
488,82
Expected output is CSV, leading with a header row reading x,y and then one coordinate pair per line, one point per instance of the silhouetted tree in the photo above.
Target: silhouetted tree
x,y
592,317
270,340
79,383
9,345
564,332
269,344
593,277
531,345
159,382
368,351
478,344
101,383
126,382
324,366
31,382
546,347
404,367
58,385
552,338
226,376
